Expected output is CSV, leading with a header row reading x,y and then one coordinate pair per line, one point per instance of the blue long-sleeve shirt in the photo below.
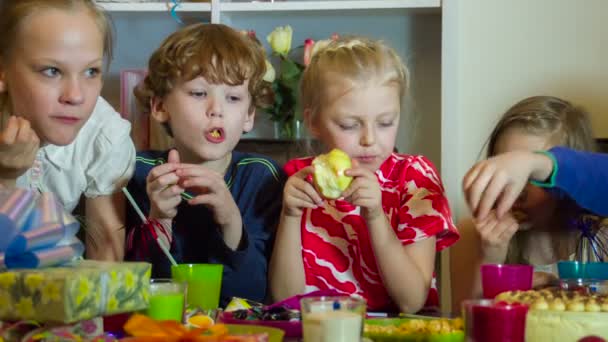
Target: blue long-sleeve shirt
x,y
582,176
256,184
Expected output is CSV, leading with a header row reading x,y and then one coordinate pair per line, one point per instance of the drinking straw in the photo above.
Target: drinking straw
x,y
145,220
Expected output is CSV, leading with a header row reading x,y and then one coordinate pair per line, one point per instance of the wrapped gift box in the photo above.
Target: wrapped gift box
x,y
30,331
78,291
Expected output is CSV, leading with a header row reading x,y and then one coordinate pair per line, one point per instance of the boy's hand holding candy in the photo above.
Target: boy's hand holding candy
x,y
18,147
163,189
212,192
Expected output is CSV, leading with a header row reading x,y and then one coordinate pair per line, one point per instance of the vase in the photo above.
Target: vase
x,y
289,130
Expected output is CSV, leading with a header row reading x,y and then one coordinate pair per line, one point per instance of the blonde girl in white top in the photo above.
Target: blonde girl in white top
x,y
56,133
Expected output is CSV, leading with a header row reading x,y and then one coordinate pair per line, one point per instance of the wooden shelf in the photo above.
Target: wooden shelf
x,y
153,7
273,6
327,5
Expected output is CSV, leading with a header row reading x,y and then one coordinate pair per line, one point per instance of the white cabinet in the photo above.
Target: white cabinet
x,y
412,27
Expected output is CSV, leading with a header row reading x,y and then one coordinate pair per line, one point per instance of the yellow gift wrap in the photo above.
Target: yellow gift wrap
x,y
78,291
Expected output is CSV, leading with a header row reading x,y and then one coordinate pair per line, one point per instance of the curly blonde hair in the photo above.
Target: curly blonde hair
x,y
14,12
351,58
216,52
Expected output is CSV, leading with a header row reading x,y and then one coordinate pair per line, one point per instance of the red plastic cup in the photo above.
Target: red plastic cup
x,y
498,278
487,321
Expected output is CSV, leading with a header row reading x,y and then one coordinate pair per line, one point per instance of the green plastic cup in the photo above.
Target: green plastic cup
x,y
204,284
166,300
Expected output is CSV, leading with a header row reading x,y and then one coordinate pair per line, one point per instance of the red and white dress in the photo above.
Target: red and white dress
x,y
336,247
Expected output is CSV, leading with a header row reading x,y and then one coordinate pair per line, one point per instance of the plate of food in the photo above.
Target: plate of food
x,y
278,318
419,329
260,332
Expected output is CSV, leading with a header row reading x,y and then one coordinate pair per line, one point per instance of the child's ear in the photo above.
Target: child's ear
x,y
157,110
309,121
249,119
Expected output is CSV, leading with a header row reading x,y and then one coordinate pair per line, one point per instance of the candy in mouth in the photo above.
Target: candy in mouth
x,y
216,133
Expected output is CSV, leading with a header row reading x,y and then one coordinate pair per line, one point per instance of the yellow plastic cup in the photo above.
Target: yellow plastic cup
x,y
204,284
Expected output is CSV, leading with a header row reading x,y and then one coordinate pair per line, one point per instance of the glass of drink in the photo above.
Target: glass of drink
x,y
498,278
167,299
332,319
204,283
486,320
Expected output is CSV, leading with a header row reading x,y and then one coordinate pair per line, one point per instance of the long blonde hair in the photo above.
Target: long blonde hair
x,y
352,58
563,124
14,12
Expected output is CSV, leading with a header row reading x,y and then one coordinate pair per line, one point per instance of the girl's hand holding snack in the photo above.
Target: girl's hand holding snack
x,y
300,193
365,192
496,183
18,147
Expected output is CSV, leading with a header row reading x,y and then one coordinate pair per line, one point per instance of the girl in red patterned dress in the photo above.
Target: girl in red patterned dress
x,y
378,241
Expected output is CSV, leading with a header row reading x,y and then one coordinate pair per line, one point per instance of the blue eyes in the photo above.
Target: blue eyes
x,y
93,72
52,72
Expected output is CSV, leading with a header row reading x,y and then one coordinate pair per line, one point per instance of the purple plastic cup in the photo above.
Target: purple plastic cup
x,y
498,278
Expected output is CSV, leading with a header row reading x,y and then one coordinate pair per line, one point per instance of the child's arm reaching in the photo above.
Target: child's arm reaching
x,y
286,266
583,176
407,271
498,181
18,147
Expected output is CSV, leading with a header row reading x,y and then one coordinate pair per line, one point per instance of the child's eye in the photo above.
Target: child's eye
x,y
234,98
198,93
50,72
387,124
348,127
93,72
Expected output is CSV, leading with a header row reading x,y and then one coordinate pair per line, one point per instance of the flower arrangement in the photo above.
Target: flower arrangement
x,y
285,110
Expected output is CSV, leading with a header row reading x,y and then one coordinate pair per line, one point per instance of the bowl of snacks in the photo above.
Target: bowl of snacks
x,y
414,329
279,318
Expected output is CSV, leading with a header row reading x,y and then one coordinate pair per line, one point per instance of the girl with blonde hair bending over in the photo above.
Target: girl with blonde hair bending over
x,y
378,241
537,226
56,133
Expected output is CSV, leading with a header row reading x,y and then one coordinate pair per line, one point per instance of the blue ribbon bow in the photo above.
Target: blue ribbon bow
x,y
35,231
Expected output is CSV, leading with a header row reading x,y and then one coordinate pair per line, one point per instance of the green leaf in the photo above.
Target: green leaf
x,y
289,70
